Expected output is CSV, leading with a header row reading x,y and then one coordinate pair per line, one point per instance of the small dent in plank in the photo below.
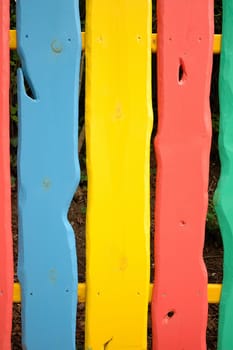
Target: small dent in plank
x,y
168,316
118,115
100,39
182,75
106,344
123,263
183,223
46,184
56,46
53,276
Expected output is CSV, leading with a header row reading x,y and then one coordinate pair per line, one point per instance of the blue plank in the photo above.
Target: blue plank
x,y
49,45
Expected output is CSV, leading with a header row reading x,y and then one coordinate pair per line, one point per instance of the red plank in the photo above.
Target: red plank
x,y
6,259
185,42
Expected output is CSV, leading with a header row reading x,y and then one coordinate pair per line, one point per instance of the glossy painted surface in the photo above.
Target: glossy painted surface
x,y
179,305
224,193
6,255
118,128
49,44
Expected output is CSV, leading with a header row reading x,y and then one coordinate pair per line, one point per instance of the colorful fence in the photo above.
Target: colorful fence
x,y
118,44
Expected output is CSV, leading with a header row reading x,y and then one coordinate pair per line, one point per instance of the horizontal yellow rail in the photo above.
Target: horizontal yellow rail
x,y
214,292
81,293
13,40
216,48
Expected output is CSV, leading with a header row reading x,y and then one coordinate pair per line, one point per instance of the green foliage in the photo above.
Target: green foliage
x,y
218,16
12,14
83,210
215,122
14,63
83,177
211,220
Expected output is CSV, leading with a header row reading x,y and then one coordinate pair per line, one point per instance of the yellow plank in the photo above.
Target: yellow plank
x,y
216,49
118,129
214,292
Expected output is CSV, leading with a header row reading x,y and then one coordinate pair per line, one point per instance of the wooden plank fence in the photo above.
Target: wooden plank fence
x,y
118,43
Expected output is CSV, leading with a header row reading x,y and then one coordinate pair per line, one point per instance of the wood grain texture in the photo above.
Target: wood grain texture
x,y
224,192
49,44
118,128
6,255
179,304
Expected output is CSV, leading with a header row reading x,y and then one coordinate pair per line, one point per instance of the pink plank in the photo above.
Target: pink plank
x,y
182,145
6,263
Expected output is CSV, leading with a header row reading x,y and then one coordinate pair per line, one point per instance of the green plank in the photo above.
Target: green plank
x,y
224,192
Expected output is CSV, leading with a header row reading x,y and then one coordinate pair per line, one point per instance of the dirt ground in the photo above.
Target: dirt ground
x,y
213,254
